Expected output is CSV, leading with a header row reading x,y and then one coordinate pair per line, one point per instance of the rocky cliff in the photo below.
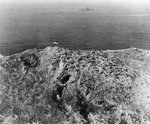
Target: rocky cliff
x,y
61,86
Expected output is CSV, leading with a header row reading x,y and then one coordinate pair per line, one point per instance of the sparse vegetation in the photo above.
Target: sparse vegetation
x,y
58,86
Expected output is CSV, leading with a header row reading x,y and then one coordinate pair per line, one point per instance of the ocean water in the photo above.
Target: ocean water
x,y
22,29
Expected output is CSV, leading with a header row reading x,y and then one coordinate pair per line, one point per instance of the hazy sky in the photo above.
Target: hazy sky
x,y
79,1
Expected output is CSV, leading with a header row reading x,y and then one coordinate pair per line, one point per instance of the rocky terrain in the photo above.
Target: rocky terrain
x,y
61,86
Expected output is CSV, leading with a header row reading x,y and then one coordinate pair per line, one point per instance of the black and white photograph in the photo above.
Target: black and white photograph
x,y
74,61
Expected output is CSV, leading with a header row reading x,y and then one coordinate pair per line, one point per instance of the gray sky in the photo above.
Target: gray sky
x,y
134,2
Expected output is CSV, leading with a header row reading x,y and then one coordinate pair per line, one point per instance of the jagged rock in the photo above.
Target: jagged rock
x,y
61,86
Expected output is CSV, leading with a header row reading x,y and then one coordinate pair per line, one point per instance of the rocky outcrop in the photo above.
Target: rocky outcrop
x,y
61,86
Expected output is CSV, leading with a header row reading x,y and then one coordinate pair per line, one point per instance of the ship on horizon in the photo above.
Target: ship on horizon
x,y
86,9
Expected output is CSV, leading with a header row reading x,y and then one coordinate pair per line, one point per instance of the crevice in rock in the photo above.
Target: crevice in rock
x,y
99,102
60,90
65,79
84,107
57,97
30,59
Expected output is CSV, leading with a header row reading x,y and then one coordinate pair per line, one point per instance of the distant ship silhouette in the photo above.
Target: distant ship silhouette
x,y
86,9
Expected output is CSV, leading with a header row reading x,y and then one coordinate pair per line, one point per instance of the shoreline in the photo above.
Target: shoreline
x,y
111,50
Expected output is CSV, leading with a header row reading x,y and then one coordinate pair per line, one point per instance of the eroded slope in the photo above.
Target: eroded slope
x,y
60,86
